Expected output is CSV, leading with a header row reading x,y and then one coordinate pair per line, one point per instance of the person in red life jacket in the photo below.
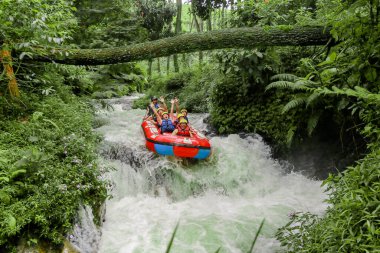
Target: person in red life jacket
x,y
179,117
164,120
182,113
183,129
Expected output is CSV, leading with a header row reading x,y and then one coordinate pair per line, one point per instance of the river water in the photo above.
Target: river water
x,y
217,203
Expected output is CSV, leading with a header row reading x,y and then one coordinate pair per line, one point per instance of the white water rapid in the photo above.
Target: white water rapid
x,y
218,203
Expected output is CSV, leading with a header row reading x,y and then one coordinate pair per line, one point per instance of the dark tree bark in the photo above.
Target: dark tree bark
x,y
186,43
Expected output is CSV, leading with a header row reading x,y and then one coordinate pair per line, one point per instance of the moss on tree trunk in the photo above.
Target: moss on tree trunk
x,y
186,43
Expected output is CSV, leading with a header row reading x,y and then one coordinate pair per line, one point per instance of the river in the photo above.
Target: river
x,y
217,203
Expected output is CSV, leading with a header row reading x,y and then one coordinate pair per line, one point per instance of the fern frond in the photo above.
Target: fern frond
x,y
304,84
290,135
280,85
312,98
285,77
293,104
358,92
312,122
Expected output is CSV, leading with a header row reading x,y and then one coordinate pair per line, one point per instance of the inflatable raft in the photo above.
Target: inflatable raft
x,y
197,147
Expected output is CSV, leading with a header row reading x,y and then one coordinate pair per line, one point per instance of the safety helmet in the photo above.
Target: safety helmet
x,y
183,121
153,98
184,110
160,109
164,113
180,115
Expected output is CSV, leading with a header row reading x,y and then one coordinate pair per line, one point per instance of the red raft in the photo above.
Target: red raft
x,y
197,147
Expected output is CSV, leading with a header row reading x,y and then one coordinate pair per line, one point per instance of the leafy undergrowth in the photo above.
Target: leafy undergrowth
x,y
351,223
47,170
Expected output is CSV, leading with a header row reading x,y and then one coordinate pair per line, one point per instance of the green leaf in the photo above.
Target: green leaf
x,y
280,85
256,236
37,115
6,179
51,122
293,104
172,239
312,122
217,251
370,74
4,198
17,173
11,222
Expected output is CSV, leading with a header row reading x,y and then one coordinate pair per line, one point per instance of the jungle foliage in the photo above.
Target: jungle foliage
x,y
48,168
48,164
289,94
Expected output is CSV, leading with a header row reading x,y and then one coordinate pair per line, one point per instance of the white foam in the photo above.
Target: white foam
x,y
218,203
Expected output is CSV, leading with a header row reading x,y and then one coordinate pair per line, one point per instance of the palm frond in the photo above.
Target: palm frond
x,y
293,104
284,77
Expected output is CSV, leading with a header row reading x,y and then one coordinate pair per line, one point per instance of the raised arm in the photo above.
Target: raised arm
x,y
171,110
162,100
159,120
177,106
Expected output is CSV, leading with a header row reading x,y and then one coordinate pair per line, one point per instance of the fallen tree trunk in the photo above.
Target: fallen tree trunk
x,y
186,43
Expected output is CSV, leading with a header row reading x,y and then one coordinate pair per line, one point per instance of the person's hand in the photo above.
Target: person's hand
x,y
176,100
162,99
172,101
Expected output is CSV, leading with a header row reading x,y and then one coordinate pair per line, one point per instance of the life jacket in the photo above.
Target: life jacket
x,y
167,126
183,132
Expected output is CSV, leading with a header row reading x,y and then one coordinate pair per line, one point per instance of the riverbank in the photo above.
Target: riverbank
x,y
48,170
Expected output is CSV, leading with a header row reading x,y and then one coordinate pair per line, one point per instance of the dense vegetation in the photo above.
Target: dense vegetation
x,y
48,161
304,92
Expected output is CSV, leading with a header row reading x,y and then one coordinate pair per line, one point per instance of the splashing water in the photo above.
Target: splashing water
x,y
218,203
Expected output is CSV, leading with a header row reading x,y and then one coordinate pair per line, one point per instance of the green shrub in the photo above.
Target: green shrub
x,y
48,169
